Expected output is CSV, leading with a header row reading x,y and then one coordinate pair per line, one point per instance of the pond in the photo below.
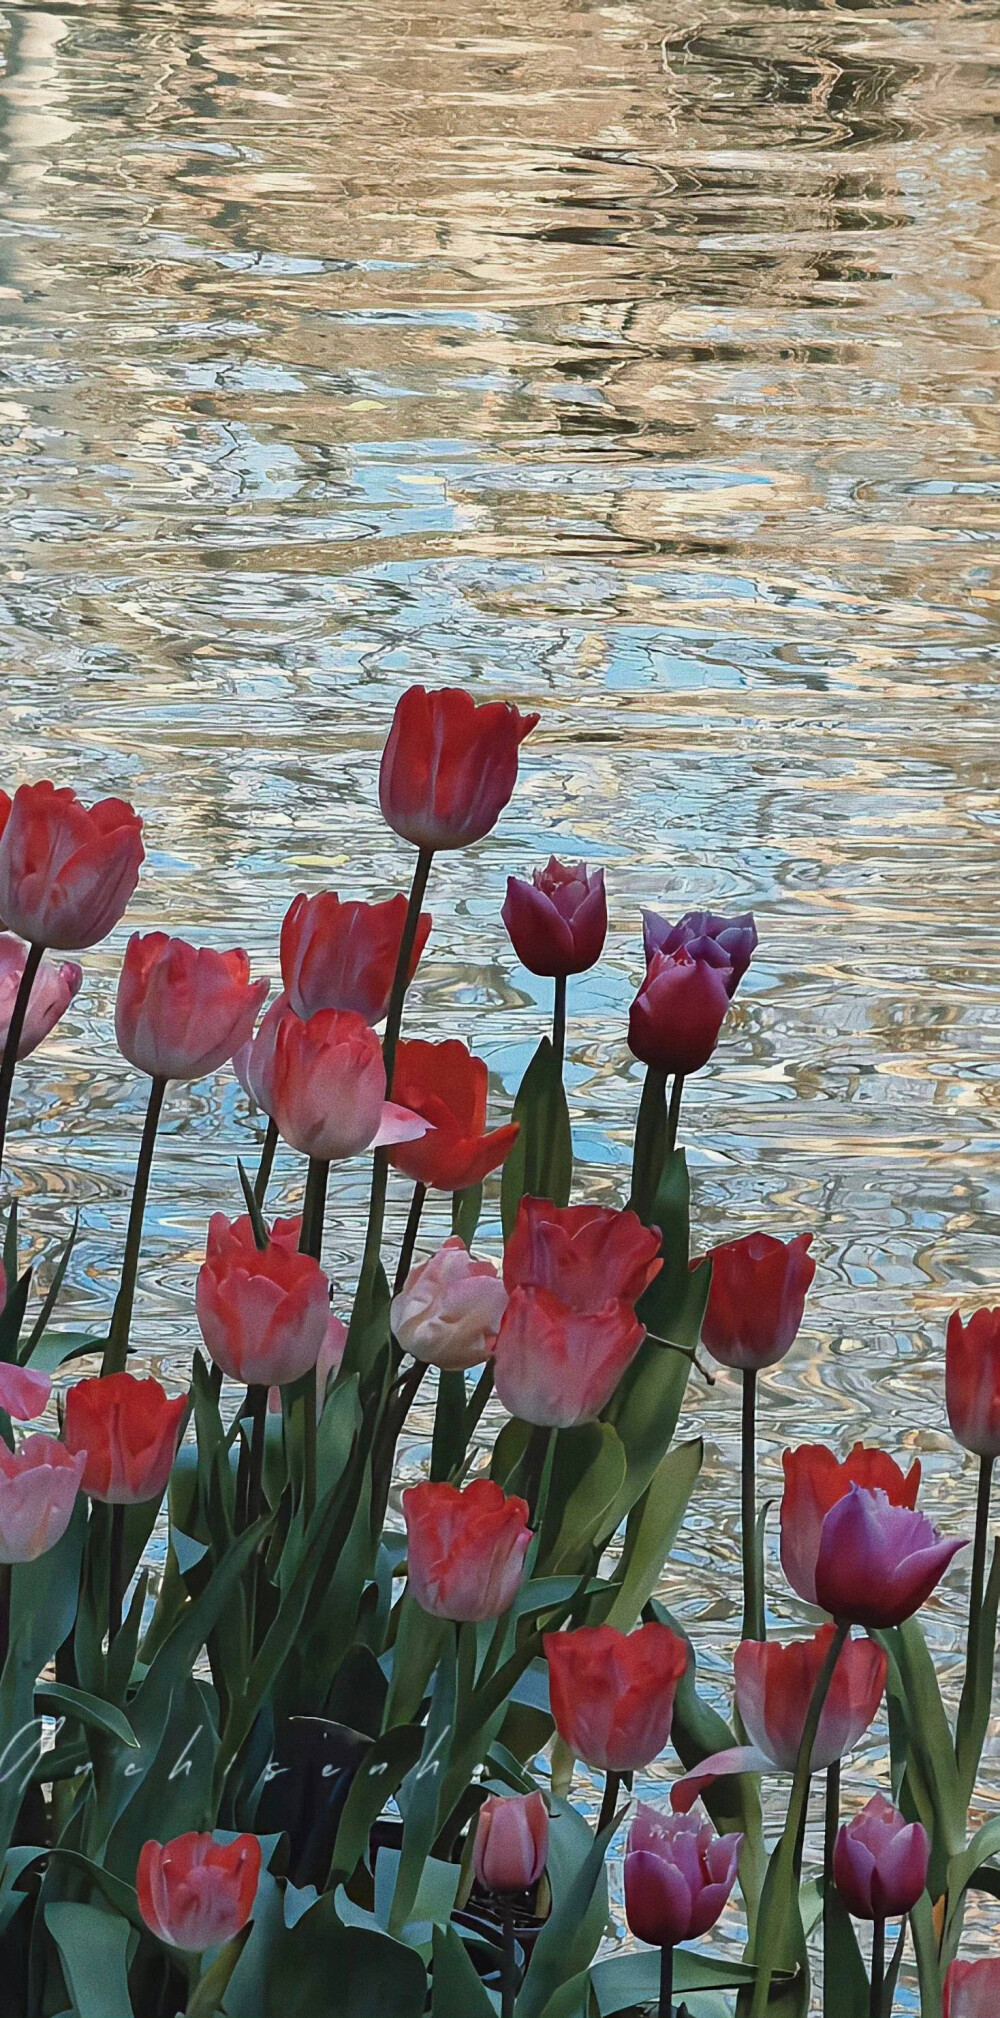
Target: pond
x,y
636,365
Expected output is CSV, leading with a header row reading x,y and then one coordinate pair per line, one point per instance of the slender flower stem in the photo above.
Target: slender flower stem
x,y
6,1578
831,1823
876,2002
15,1029
266,1164
559,1019
753,1596
666,2003
116,1350
674,1111
508,1964
257,1399
410,1236
609,1801
650,1141
978,1575
393,1023
314,1209
116,1573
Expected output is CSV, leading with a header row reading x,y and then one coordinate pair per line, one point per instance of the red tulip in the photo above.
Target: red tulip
x,y
774,1688
449,1309
756,1299
555,1366
449,767
972,1381
512,1842
559,921
38,1487
675,1020
465,1549
263,1312
612,1694
814,1482
587,1255
53,989
878,1563
972,1990
195,1893
724,942
323,1082
343,955
448,1086
23,1393
678,1876
128,1431
880,1862
66,873
183,1010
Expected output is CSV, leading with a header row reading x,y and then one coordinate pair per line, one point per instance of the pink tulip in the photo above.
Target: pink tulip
x,y
465,1549
449,1309
512,1842
323,1083
878,1563
195,1893
449,767
263,1312
559,921
331,1355
676,1017
555,1366
678,1876
972,1990
66,872
587,1255
53,989
39,1484
183,1010
880,1862
338,955
23,1394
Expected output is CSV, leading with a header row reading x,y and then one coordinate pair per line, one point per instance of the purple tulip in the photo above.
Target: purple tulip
x,y
880,1862
678,1876
729,942
878,1563
675,1020
559,921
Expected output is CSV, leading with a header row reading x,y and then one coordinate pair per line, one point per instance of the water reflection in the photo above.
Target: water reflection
x,y
638,366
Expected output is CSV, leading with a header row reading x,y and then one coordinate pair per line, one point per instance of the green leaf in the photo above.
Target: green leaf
x,y
37,1332
587,1481
962,1869
322,1969
375,1782
674,1304
650,1145
423,1790
456,1989
571,2000
257,1220
931,1752
12,1316
466,1207
974,1709
55,1348
845,1980
644,1411
10,1244
448,1444
652,1530
540,1163
624,1981
93,1946
571,1934
87,1709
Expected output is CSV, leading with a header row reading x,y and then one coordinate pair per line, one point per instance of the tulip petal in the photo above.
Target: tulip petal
x,y
738,1759
399,1124
22,1393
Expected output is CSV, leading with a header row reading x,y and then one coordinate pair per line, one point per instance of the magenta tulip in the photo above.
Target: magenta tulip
x,y
880,1862
972,1990
678,1876
729,942
559,921
675,1020
878,1563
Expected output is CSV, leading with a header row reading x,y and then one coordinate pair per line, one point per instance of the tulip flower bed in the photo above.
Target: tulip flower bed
x,y
321,1766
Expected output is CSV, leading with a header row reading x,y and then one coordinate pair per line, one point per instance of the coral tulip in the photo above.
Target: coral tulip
x,y
23,1393
878,1563
675,1020
612,1694
39,1483
465,1548
128,1431
338,955
972,1990
195,1893
678,1876
448,1086
263,1312
449,767
814,1482
972,1381
323,1083
880,1862
183,1010
53,989
66,872
587,1255
756,1299
559,921
449,1309
512,1842
729,942
555,1366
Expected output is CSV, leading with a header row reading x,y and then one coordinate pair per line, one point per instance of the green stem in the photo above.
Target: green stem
x,y
753,1596
15,1028
508,1964
257,1400
875,2006
266,1164
674,1112
314,1209
410,1236
559,1019
978,1574
116,1573
831,1824
609,1800
116,1350
650,1142
6,1581
666,2003
393,1023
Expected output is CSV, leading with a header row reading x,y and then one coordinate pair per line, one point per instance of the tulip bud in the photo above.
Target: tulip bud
x,y
678,1876
756,1299
343,955
555,1366
512,1842
323,1083
66,872
53,989
972,1990
449,1309
675,1020
39,1483
559,921
612,1694
127,1430
972,1381
183,1010
587,1255
195,1893
465,1549
880,1862
449,767
263,1312
878,1563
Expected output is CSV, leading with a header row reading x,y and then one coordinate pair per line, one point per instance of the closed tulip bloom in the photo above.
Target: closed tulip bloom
x,y
324,1085
774,1688
880,1862
512,1842
678,1876
23,1393
587,1255
555,1366
559,921
195,1893
972,1381
39,1483
338,955
814,1481
972,1990
183,1010
263,1312
449,767
756,1299
449,1309
67,872
729,942
53,989
612,1694
465,1549
448,1086
128,1430
675,1020
878,1563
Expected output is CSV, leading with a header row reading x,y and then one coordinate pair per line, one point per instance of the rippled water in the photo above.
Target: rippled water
x,y
638,365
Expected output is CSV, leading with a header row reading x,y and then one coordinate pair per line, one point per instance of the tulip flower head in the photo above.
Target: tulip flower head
x,y
878,1563
972,1990
53,989
559,921
511,1843
23,1393
756,1299
195,1893
66,872
449,1309
323,1083
586,1255
447,1086
972,1381
676,1018
127,1430
39,1483
183,1010
678,1876
814,1481
880,1862
725,942
263,1312
338,955
612,1694
465,1548
449,767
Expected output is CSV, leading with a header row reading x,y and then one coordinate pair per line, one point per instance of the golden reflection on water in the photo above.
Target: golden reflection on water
x,y
639,365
